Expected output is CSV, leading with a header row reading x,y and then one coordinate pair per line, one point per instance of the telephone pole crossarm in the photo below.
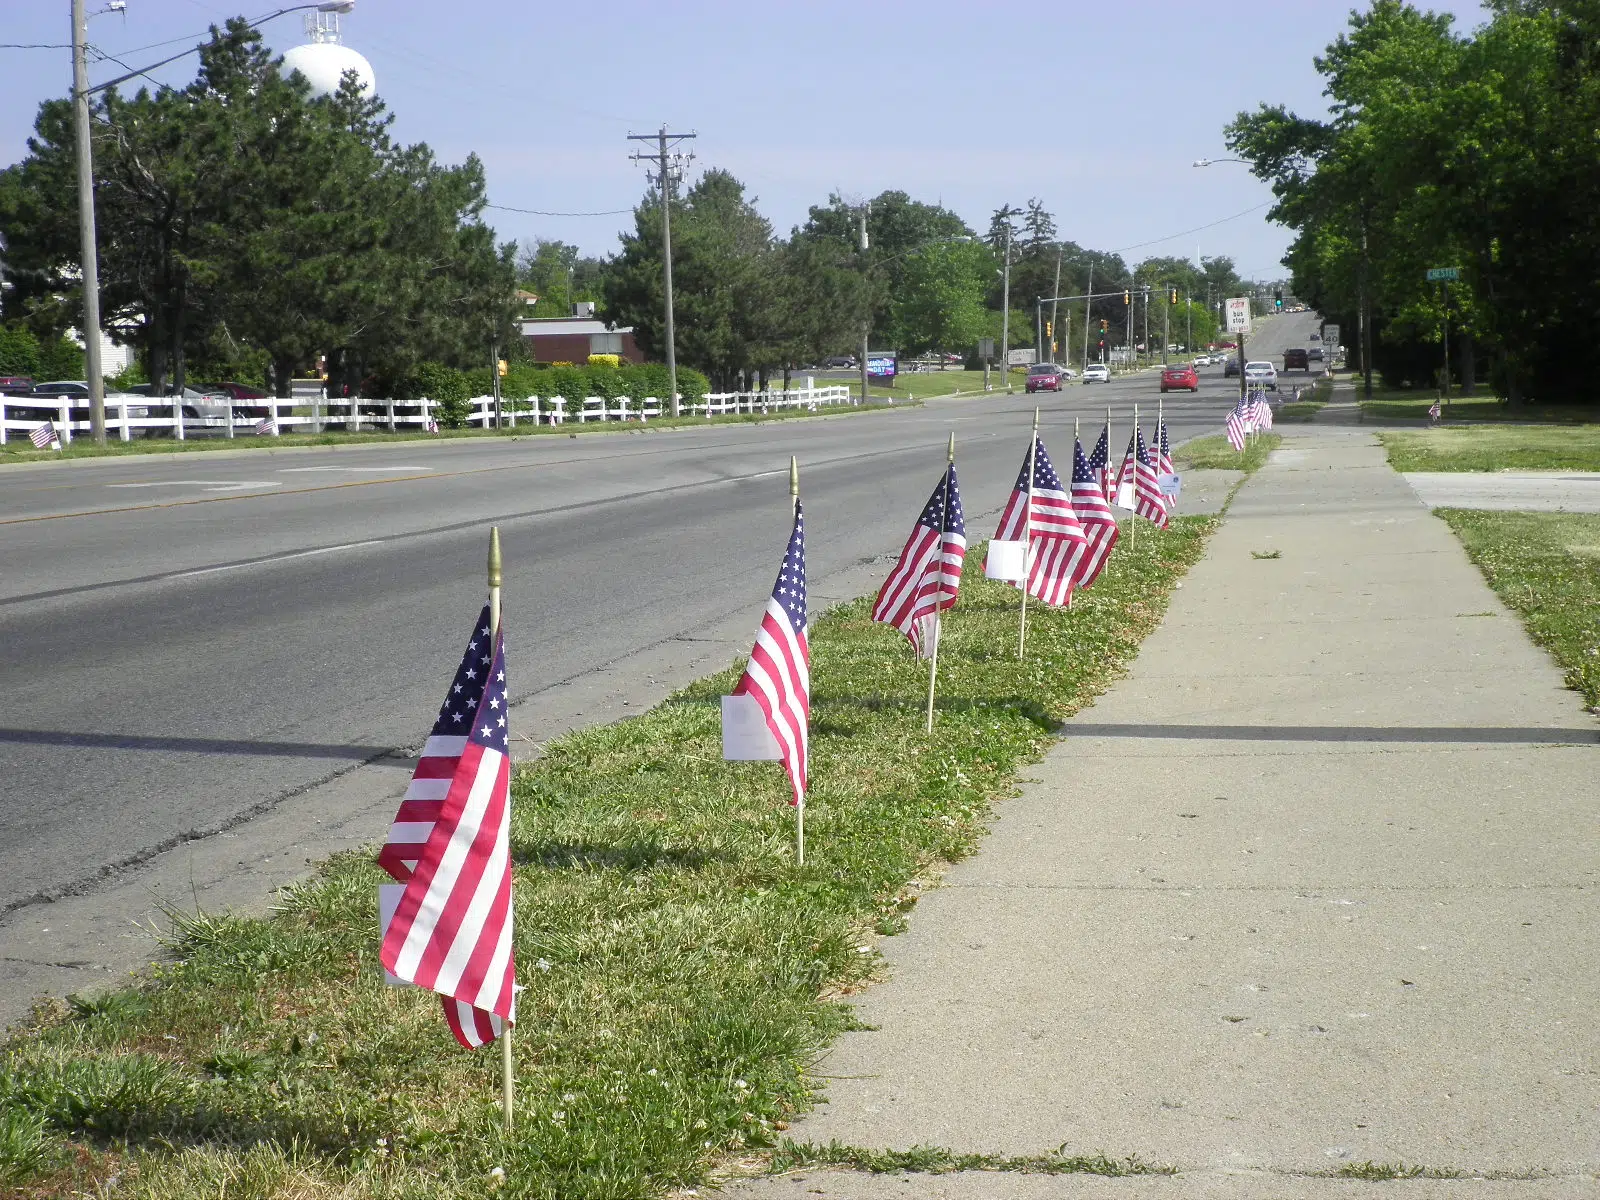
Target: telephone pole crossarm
x,y
668,166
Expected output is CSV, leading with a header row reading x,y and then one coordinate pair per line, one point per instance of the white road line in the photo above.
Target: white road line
x,y
210,485
371,470
267,562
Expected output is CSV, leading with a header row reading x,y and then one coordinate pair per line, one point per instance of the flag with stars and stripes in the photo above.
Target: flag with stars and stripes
x,y
267,427
1095,515
1260,411
778,675
1163,449
1100,464
1238,424
1053,531
45,435
1148,502
926,579
1123,493
451,930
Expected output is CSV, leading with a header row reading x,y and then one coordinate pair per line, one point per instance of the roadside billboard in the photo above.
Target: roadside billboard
x,y
882,364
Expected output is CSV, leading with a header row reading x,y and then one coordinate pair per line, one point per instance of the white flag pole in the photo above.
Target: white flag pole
x,y
508,1074
1133,516
938,617
800,804
1027,539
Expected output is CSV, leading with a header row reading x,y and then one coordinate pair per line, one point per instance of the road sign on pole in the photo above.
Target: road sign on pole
x,y
1443,274
1239,314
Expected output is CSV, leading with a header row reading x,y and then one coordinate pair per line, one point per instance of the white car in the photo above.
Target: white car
x,y
1097,373
1261,375
1202,360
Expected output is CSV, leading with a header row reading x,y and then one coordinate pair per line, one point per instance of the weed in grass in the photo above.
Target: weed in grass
x,y
679,972
1216,454
26,1146
1536,563
936,1160
1266,554
1387,1171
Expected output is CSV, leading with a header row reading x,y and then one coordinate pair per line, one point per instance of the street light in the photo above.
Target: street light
x,y
89,252
1206,162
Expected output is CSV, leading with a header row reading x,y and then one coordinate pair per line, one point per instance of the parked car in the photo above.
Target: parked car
x,y
62,387
1097,373
238,391
1045,377
1180,376
1230,368
1296,360
1261,375
10,382
839,361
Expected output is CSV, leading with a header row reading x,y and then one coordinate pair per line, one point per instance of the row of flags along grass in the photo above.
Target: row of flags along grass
x,y
1252,414
446,917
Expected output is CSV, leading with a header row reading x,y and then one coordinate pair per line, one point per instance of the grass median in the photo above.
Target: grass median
x,y
1500,448
680,971
1413,405
1215,453
1546,567
20,449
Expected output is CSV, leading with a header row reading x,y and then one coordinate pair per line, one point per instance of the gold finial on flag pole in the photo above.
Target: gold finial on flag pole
x,y
508,1075
952,445
794,481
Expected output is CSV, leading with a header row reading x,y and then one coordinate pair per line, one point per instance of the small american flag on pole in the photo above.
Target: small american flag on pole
x,y
778,675
44,436
1094,514
1260,411
1100,464
266,427
432,426
451,932
926,579
1237,425
1148,502
1164,463
1056,532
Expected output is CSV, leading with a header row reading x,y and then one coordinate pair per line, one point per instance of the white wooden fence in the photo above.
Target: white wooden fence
x,y
136,416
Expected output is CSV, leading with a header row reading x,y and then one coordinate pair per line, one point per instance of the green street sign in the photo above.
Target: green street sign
x,y
1443,274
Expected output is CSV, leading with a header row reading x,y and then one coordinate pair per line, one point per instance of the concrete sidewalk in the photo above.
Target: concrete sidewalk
x,y
1315,886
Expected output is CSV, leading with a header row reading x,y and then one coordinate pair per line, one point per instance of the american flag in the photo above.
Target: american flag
x,y
433,426
1056,533
1094,514
1148,502
267,427
1238,424
778,675
1125,475
927,577
1164,463
1260,411
1433,414
451,931
1100,463
44,436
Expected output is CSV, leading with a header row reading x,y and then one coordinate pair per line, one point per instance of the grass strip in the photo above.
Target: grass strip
x,y
20,449
1216,454
1546,567
1299,410
1527,448
936,1160
1400,404
680,972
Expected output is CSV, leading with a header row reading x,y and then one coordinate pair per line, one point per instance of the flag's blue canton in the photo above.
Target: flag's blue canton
x,y
1166,446
491,729
1044,475
1143,452
934,515
1101,458
466,689
1083,468
790,590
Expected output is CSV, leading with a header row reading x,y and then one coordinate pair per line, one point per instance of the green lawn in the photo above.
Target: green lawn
x,y
681,973
1396,404
1497,448
924,385
19,449
1546,566
1304,410
1215,454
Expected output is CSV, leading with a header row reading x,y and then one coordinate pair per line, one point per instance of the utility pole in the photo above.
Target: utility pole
x,y
1166,330
1005,215
1127,345
866,321
1055,309
1188,315
1147,318
666,169
1366,319
1038,330
89,257
1088,314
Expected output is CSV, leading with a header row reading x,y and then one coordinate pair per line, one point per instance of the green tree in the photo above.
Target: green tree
x,y
941,304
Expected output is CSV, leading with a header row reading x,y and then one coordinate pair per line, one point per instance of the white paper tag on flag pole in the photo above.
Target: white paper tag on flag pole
x,y
1124,495
1007,561
1169,483
745,736
388,901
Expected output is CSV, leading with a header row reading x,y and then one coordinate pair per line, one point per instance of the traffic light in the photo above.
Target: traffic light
x,y
1049,329
1102,328
1172,296
1127,297
1277,299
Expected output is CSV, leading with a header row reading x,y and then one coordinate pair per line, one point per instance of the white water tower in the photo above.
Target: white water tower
x,y
324,59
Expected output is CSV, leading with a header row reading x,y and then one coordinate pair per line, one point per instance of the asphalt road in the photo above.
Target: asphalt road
x,y
190,639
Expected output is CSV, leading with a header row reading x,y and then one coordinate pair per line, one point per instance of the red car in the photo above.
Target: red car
x,y
239,391
1044,377
1173,378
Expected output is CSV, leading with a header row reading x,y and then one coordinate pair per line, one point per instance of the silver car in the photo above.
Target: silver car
x,y
1261,375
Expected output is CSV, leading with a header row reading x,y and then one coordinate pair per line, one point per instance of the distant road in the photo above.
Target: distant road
x,y
189,639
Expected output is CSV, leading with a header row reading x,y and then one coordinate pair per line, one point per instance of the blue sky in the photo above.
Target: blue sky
x,y
1097,108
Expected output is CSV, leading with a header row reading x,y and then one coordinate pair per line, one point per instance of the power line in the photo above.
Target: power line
x,y
538,212
35,45
1196,229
